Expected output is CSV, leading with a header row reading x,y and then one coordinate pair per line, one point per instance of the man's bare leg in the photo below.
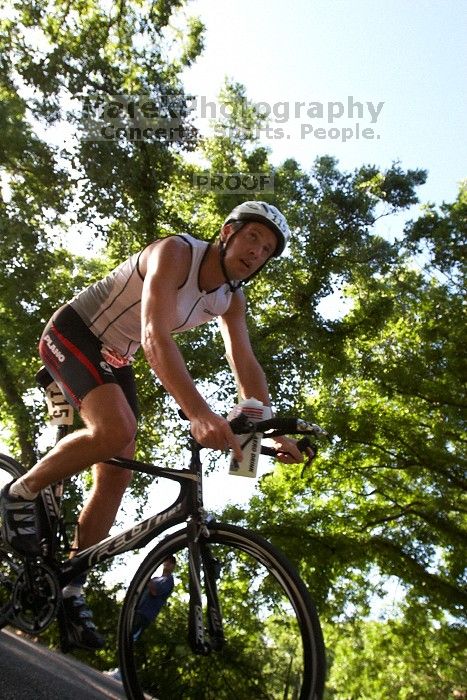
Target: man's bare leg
x,y
109,431
99,511
110,428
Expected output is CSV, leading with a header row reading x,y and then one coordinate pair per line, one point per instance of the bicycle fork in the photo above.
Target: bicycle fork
x,y
200,555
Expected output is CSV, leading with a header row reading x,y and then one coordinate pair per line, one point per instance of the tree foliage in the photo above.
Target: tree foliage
x,y
408,658
390,490
87,61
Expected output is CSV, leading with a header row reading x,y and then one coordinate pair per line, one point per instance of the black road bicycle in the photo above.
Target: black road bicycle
x,y
240,622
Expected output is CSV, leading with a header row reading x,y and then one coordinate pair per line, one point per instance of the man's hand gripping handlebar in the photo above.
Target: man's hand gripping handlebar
x,y
278,427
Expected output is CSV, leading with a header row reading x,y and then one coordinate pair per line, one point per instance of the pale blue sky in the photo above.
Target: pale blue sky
x,y
409,54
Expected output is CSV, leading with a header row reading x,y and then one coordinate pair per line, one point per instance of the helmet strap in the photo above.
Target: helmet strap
x,y
223,251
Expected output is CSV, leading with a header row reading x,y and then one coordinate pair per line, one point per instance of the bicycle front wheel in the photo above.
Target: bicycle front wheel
x,y
273,642
10,563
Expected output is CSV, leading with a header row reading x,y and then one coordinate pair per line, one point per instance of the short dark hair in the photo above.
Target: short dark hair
x,y
170,558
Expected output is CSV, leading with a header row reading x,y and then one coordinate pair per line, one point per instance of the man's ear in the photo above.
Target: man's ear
x,y
226,232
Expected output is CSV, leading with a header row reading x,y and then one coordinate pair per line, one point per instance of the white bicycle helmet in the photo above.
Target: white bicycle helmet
x,y
266,214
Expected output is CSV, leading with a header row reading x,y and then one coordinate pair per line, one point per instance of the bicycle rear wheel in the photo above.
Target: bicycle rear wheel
x,y
10,564
274,646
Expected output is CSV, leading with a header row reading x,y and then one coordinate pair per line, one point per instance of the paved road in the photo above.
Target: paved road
x,y
29,671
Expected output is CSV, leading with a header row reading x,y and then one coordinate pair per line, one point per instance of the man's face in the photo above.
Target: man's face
x,y
249,248
169,566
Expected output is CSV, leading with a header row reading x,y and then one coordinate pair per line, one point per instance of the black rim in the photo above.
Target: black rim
x,y
302,678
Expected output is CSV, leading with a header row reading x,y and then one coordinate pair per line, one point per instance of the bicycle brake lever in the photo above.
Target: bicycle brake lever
x,y
305,444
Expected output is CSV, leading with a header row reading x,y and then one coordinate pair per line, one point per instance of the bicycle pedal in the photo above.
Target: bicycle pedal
x,y
69,642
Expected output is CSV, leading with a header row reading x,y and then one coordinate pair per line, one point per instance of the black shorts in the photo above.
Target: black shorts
x,y
72,355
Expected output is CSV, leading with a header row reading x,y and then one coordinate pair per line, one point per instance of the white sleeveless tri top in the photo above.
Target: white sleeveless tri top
x,y
112,307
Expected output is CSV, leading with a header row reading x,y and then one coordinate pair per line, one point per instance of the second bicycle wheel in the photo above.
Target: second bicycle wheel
x,y
273,643
10,563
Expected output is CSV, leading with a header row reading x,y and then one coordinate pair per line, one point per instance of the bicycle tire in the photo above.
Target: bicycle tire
x,y
274,645
10,563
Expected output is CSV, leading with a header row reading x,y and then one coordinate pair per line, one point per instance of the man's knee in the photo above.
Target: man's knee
x,y
119,439
109,417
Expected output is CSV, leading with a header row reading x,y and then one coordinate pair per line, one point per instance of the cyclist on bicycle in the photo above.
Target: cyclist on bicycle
x,y
172,285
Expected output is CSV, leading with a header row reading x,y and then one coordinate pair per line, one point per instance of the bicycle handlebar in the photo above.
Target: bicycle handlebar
x,y
274,427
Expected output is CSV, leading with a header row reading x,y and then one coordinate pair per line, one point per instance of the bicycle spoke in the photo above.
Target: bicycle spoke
x,y
269,653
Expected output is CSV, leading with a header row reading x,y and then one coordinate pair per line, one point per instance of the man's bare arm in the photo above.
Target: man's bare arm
x,y
248,372
167,266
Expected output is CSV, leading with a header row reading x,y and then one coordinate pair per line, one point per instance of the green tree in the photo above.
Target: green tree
x,y
390,491
118,65
34,193
408,658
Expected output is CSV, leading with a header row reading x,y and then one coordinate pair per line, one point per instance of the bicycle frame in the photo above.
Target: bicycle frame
x,y
187,504
187,507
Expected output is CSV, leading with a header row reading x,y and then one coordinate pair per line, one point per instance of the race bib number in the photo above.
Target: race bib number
x,y
60,411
